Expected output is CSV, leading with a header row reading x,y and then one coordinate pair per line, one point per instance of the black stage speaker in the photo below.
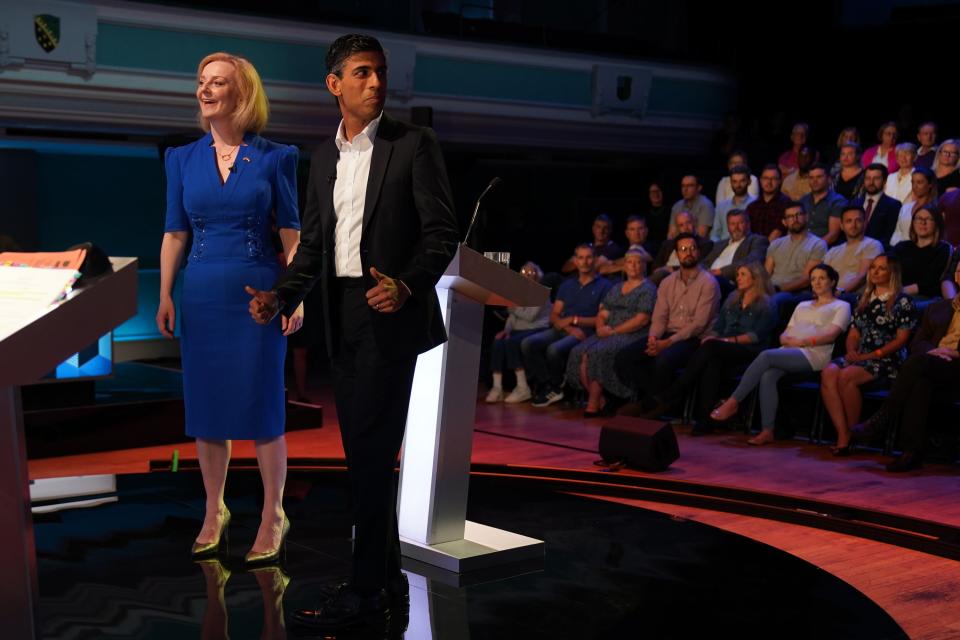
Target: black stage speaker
x,y
648,445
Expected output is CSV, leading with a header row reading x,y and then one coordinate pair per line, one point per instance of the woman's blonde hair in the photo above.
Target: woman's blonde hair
x,y
253,109
761,281
896,282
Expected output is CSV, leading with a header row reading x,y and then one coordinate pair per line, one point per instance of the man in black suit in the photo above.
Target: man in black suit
x,y
881,210
378,203
740,248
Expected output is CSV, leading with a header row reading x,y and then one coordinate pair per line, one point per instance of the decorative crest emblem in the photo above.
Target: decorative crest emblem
x,y
46,29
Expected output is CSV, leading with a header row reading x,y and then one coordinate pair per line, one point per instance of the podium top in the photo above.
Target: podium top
x,y
490,282
68,327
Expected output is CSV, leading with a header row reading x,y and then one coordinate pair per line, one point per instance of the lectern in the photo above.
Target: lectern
x,y
435,466
25,356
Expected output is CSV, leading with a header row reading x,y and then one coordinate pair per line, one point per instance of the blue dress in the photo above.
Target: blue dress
x,y
232,366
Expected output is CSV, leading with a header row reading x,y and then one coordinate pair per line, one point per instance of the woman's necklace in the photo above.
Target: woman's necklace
x,y
226,156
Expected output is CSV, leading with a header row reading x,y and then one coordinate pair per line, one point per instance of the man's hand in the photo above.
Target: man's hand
x,y
944,353
264,305
292,324
576,332
562,323
655,347
605,331
389,295
501,335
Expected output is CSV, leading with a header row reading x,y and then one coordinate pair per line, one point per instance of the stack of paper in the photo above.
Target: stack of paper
x,y
32,284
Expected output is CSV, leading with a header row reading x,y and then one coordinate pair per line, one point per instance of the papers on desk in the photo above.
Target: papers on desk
x,y
26,293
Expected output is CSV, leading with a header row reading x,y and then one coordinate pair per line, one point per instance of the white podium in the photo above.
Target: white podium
x,y
25,356
435,466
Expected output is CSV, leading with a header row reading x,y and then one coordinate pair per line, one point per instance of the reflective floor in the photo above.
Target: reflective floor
x,y
122,570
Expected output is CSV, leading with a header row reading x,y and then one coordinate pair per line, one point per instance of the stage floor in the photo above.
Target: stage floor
x,y
920,591
610,570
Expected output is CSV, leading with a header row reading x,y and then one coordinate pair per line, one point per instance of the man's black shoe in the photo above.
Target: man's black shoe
x,y
909,461
398,590
345,608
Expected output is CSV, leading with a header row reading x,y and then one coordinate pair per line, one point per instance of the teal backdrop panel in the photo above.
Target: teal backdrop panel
x,y
499,81
691,97
181,51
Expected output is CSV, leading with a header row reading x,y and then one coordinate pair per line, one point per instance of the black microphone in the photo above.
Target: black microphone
x,y
331,178
476,208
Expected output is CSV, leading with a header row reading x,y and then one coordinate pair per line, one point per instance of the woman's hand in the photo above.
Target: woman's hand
x,y
605,331
292,324
166,316
501,335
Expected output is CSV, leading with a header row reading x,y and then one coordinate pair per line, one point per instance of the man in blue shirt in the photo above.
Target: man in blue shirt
x,y
572,319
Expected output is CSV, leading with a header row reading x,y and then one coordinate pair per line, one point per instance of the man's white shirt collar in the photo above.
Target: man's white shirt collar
x,y
368,134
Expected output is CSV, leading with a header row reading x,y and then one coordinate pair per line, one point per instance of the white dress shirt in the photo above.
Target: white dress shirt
x,y
904,220
726,256
900,187
349,196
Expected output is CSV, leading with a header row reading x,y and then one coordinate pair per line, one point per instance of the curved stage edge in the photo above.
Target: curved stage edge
x,y
919,534
610,570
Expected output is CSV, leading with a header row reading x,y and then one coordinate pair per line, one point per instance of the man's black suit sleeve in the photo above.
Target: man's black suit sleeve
x,y
307,264
439,232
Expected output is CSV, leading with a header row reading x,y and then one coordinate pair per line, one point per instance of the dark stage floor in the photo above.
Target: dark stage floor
x,y
122,570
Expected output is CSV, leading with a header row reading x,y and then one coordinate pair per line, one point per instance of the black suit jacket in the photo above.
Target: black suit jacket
x,y
883,220
409,232
752,249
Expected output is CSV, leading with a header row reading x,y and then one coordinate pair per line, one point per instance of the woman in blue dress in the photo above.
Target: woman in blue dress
x,y
224,192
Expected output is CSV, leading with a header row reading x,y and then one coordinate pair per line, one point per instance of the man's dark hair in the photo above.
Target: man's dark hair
x,y
636,218
604,218
821,166
685,236
793,204
740,169
854,207
346,46
738,212
772,167
585,245
876,166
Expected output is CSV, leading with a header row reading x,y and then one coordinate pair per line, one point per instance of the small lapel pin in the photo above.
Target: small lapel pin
x,y
246,159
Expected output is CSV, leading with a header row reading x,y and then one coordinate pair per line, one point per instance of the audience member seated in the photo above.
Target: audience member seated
x,y
572,319
725,189
924,192
741,331
667,261
798,139
848,179
852,258
623,319
740,248
899,185
687,303
881,210
505,354
849,134
739,182
945,167
927,151
637,235
694,203
932,370
658,215
823,206
875,349
885,152
604,248
924,256
949,208
797,184
806,346
766,212
790,259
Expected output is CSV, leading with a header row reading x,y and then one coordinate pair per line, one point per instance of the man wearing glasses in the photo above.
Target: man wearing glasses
x,y
687,303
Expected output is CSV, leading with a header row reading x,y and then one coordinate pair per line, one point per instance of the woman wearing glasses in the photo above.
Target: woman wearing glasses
x,y
924,256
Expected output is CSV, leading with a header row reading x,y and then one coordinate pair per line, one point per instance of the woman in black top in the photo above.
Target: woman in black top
x,y
946,166
924,256
658,215
848,179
